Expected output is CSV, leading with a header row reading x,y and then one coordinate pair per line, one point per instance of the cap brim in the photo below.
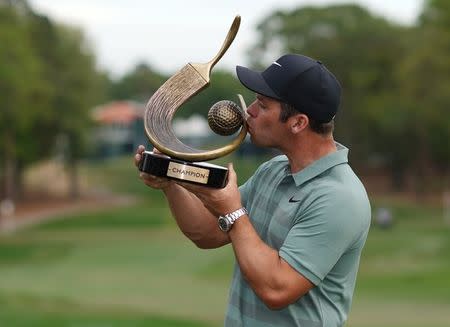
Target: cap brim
x,y
255,82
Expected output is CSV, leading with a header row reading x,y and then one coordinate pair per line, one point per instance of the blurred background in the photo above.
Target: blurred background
x,y
84,243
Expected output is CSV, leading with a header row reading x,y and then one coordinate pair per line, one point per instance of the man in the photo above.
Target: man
x,y
298,225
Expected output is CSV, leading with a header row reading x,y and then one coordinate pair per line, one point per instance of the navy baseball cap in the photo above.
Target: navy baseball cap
x,y
304,83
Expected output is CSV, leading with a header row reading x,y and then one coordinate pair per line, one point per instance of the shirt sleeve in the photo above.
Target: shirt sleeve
x,y
321,235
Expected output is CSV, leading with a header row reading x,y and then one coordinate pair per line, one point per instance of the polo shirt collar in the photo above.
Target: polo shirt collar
x,y
319,166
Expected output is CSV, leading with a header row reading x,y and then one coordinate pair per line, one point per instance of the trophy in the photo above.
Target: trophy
x,y
177,160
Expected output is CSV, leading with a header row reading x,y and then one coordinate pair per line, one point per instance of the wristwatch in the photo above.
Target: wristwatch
x,y
227,221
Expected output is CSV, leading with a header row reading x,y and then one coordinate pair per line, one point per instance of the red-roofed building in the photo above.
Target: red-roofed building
x,y
120,127
118,112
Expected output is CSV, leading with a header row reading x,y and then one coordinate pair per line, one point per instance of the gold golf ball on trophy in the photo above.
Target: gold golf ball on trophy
x,y
225,117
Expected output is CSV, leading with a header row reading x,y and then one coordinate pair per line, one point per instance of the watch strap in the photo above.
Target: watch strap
x,y
235,215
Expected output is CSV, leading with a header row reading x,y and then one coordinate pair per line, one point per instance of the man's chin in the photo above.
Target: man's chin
x,y
254,140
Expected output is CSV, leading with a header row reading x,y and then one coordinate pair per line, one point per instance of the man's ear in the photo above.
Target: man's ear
x,y
298,123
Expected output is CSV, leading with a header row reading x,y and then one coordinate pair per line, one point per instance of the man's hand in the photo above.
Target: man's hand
x,y
218,201
150,180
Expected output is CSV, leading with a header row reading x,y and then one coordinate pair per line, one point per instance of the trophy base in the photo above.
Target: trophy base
x,y
201,173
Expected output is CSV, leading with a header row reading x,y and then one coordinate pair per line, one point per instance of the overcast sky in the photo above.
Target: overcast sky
x,y
169,33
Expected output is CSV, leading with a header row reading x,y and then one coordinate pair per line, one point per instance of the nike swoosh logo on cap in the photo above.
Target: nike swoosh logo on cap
x,y
275,63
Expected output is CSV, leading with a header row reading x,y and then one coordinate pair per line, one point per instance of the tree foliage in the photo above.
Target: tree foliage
x,y
21,93
139,84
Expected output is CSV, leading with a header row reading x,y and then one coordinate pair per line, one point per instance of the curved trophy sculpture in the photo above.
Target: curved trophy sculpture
x,y
176,156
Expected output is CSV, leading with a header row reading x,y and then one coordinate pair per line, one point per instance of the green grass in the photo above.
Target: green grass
x,y
29,311
145,214
146,271
130,266
403,277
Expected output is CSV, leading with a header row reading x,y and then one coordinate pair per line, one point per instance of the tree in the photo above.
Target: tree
x,y
425,77
78,87
21,92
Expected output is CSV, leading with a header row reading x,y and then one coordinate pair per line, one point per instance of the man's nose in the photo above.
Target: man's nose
x,y
251,110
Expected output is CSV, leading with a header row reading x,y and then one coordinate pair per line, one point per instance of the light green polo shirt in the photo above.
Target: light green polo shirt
x,y
318,220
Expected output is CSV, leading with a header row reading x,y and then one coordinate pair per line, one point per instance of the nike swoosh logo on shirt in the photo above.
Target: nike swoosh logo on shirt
x,y
291,200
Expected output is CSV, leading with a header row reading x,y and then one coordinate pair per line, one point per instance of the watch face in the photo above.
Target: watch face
x,y
223,224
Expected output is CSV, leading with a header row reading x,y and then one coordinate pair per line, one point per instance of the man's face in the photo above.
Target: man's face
x,y
264,125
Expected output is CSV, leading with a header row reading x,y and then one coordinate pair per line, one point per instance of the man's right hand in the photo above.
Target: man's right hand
x,y
150,180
